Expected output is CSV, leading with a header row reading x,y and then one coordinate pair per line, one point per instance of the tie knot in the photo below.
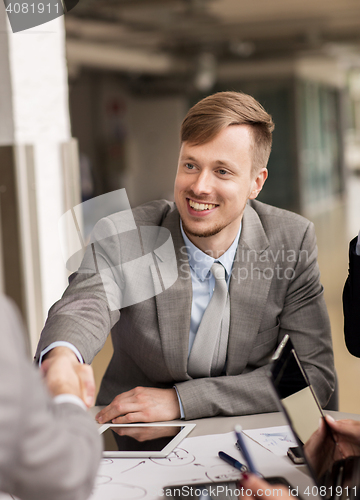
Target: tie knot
x,y
218,271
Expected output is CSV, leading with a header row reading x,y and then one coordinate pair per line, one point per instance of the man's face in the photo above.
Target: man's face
x,y
213,183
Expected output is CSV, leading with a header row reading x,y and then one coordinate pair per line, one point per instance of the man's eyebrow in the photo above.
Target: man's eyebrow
x,y
217,162
188,158
228,164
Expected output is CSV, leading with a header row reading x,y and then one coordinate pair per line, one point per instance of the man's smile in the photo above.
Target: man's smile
x,y
200,207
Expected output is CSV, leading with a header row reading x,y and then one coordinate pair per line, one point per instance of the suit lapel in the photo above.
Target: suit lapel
x,y
249,287
174,305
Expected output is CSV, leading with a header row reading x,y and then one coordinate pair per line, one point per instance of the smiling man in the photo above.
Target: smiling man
x,y
247,275
213,184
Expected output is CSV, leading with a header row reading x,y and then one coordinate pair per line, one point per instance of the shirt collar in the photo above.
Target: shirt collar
x,y
201,263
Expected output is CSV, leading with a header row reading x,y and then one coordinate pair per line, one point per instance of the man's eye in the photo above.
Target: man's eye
x,y
189,166
222,171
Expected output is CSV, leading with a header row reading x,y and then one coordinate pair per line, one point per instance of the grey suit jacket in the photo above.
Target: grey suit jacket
x,y
274,290
47,451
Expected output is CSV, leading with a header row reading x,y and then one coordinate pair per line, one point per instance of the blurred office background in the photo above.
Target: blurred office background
x,y
93,101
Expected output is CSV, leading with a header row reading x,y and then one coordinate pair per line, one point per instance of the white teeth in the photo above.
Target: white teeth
x,y
201,206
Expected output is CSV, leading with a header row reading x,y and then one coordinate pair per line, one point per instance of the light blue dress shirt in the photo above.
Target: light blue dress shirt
x,y
203,281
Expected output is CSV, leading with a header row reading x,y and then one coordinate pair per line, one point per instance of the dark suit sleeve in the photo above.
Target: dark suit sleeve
x,y
47,451
351,302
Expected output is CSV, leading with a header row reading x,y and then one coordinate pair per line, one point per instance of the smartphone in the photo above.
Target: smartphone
x,y
295,454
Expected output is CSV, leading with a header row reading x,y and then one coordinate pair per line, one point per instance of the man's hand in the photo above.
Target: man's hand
x,y
64,375
142,404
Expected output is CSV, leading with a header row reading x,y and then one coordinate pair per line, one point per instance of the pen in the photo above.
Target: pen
x,y
244,450
232,461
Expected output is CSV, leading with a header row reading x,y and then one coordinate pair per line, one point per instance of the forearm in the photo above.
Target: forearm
x,y
243,394
227,395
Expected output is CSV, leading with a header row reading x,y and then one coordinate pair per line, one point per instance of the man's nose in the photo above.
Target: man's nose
x,y
203,183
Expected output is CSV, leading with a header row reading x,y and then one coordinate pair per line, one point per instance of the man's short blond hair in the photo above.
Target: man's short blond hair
x,y
214,113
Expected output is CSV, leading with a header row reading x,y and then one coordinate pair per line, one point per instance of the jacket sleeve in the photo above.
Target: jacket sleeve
x,y
48,451
85,315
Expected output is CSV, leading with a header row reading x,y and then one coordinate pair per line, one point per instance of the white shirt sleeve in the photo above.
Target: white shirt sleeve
x,y
182,413
61,343
357,249
69,398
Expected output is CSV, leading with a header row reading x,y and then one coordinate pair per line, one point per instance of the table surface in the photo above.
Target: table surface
x,y
271,465
221,425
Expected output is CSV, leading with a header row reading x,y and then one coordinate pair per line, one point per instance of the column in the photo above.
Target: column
x,y
35,147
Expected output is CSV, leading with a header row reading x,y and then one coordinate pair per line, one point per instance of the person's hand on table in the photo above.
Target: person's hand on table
x,y
65,375
142,404
251,486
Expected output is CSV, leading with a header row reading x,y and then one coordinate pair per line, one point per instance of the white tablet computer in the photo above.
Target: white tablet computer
x,y
142,440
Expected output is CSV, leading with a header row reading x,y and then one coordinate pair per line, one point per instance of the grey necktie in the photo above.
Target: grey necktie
x,y
208,354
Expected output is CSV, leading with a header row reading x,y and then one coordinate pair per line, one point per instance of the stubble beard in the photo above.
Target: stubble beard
x,y
206,233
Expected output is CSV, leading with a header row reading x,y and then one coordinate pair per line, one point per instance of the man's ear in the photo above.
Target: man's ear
x,y
258,182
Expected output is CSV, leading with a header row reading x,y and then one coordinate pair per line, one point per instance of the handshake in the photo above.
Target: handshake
x,y
65,375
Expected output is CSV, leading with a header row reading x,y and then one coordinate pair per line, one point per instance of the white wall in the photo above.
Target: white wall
x,y
34,104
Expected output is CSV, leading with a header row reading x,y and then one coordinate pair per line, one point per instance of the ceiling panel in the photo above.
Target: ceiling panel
x,y
229,30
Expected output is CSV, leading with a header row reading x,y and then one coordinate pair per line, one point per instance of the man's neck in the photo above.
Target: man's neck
x,y
215,245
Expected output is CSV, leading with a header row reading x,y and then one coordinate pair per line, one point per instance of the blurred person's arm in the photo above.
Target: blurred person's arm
x,y
47,450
